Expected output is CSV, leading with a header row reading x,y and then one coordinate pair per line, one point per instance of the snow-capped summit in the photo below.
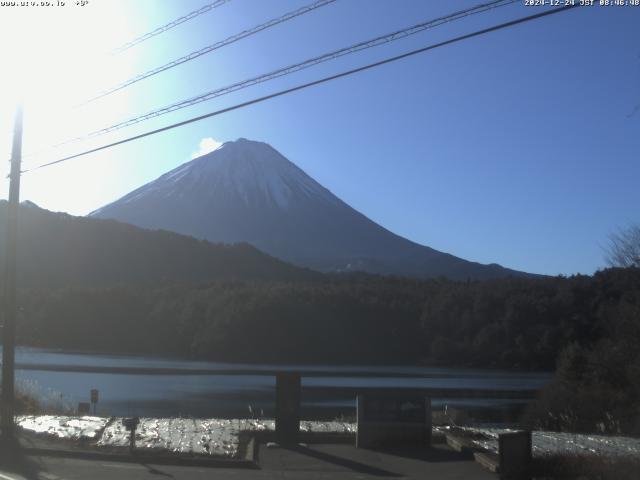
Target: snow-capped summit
x,y
252,173
246,191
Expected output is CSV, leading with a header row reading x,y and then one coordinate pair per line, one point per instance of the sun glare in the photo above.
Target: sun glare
x,y
54,58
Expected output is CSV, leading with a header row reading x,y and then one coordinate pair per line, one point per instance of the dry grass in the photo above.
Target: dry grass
x,y
26,404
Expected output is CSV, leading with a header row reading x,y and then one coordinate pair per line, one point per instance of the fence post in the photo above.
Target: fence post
x,y
287,407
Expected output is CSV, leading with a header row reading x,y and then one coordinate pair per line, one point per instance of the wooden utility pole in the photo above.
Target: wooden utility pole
x,y
7,410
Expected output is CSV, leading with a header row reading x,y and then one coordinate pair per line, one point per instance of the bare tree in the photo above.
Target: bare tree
x,y
624,247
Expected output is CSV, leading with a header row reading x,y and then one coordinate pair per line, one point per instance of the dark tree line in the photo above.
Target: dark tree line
x,y
509,323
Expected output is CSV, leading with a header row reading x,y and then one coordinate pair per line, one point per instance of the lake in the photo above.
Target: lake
x,y
237,396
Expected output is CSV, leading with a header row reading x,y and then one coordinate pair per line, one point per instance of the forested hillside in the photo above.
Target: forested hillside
x,y
57,250
510,323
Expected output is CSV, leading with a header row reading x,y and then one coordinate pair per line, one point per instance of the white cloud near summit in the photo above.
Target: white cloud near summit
x,y
207,145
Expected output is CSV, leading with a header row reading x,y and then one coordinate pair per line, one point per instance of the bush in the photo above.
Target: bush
x,y
594,390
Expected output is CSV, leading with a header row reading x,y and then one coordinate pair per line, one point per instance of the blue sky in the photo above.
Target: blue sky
x,y
517,147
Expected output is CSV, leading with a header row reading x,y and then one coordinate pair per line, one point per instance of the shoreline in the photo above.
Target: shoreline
x,y
284,365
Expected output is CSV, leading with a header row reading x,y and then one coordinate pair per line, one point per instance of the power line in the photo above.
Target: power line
x,y
132,43
374,42
313,83
215,46
169,26
293,68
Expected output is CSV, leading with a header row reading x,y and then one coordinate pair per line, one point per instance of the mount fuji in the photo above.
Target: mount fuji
x,y
246,191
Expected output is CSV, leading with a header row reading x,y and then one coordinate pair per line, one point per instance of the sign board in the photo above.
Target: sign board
x,y
130,423
514,450
393,417
94,395
394,409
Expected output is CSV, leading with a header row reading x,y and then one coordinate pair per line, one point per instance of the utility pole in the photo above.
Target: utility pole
x,y
7,408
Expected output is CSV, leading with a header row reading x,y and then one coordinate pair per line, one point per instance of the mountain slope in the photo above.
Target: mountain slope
x,y
246,191
56,249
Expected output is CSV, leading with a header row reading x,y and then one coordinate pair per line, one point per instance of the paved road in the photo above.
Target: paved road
x,y
72,469
313,462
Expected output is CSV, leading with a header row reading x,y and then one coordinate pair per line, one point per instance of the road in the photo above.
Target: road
x,y
341,462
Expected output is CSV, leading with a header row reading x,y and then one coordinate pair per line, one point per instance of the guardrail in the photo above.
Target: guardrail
x,y
289,386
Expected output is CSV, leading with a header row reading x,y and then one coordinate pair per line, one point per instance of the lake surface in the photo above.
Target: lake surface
x,y
236,396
